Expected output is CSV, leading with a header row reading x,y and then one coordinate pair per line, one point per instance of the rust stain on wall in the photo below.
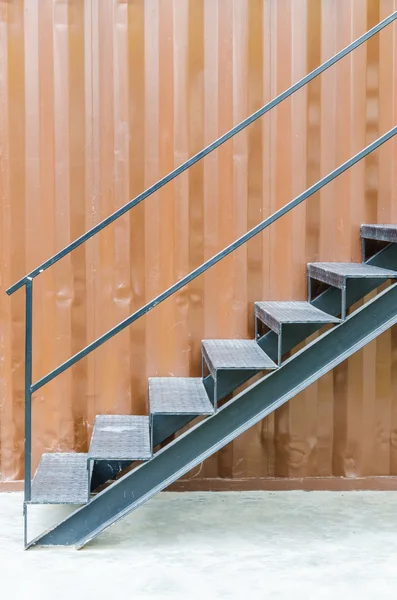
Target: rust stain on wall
x,y
100,98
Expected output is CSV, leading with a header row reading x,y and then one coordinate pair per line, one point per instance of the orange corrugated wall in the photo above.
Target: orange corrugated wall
x,y
100,98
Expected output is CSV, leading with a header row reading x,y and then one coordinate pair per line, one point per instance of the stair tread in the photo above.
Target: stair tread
x,y
336,273
120,437
274,314
350,269
235,354
380,232
61,478
178,396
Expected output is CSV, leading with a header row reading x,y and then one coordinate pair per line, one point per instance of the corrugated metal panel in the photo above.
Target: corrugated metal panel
x,y
99,98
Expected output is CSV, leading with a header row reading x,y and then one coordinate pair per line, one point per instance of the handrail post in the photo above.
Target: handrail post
x,y
28,391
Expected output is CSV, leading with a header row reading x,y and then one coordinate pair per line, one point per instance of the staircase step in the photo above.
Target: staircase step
x,y
243,355
336,273
275,314
61,478
178,396
120,437
381,233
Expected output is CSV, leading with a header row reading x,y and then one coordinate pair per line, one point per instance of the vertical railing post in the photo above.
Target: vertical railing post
x,y
28,390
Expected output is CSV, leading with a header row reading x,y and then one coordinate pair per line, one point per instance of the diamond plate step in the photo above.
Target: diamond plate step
x,y
178,396
380,233
336,274
235,354
120,437
61,478
276,314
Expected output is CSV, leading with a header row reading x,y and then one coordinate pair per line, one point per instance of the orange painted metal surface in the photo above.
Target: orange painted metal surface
x,y
98,99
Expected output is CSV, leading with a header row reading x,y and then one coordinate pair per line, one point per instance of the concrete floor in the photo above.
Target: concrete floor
x,y
285,545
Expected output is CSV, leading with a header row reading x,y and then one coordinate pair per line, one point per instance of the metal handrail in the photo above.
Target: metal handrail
x,y
27,281
194,159
215,259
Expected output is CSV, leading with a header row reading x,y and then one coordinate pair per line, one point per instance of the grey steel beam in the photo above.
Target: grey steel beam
x,y
235,417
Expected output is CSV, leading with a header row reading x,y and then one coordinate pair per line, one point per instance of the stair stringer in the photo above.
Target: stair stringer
x,y
234,418
328,301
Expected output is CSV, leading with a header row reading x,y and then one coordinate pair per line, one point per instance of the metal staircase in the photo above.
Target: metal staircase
x,y
131,443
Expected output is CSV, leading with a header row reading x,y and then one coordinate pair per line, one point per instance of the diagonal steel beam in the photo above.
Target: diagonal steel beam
x,y
206,438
